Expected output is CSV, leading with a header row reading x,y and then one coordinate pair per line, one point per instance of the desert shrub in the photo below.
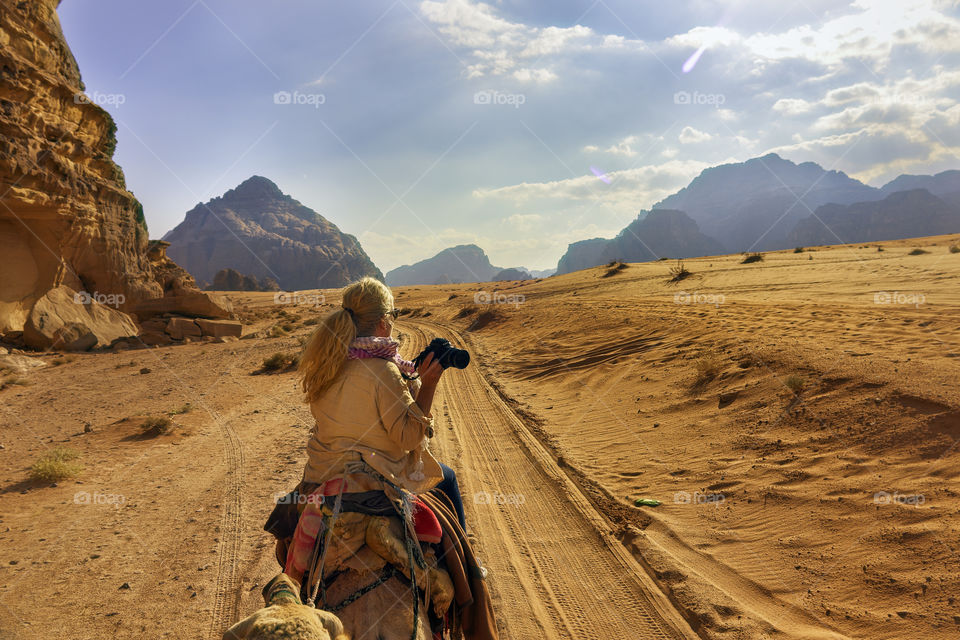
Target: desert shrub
x,y
452,296
288,327
954,248
483,319
14,380
798,250
679,272
917,252
63,360
795,383
707,367
184,409
280,361
470,309
660,259
55,465
309,322
276,331
879,249
613,268
752,257
156,425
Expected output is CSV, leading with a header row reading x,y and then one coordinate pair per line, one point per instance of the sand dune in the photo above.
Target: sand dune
x,y
798,417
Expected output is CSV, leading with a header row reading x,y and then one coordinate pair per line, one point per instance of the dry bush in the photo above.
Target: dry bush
x,y
795,383
468,310
484,318
707,367
276,331
184,409
679,272
752,257
55,465
156,425
918,252
613,268
309,322
954,248
280,361
798,250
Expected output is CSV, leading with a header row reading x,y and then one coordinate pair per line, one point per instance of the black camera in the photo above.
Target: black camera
x,y
445,353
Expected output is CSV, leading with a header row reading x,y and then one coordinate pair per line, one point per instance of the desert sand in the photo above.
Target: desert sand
x,y
798,418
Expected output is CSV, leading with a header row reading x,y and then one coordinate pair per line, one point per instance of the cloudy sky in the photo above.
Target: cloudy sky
x,y
520,126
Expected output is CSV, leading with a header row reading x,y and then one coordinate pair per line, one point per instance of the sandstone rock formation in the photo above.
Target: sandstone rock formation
x,y
233,280
753,205
903,214
511,274
656,234
463,263
257,230
68,225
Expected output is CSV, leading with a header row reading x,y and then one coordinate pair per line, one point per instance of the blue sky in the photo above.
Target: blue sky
x,y
420,125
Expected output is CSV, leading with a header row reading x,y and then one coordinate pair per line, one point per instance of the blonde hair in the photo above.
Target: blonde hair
x,y
364,304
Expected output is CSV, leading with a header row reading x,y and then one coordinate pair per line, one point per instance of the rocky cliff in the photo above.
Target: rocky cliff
x,y
462,263
903,214
259,231
661,233
753,205
73,239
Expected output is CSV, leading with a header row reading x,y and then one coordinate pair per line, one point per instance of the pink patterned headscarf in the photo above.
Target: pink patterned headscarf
x,y
377,347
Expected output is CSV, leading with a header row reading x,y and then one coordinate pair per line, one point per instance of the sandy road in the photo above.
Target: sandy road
x,y
556,569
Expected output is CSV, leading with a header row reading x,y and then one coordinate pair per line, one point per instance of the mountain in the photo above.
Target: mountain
x,y
259,231
660,233
512,274
753,205
903,214
463,263
541,273
233,280
941,184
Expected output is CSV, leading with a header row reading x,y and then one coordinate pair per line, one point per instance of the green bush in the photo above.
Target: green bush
x,y
55,465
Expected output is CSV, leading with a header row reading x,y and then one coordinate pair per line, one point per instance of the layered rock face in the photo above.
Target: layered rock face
x,y
75,258
903,214
661,233
66,217
257,230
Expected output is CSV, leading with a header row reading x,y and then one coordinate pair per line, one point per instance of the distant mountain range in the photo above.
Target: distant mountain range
x,y
259,231
762,204
770,203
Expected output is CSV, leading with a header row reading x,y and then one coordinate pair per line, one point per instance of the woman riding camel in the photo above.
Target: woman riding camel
x,y
370,405
367,455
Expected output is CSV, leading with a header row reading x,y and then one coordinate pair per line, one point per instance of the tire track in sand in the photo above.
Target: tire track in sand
x,y
227,593
557,571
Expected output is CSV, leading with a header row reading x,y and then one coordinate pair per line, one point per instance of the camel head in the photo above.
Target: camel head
x,y
285,617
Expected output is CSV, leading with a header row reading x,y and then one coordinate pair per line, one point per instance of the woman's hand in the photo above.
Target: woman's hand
x,y
430,371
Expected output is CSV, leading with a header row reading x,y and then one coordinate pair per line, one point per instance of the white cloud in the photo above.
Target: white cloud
x,y
689,135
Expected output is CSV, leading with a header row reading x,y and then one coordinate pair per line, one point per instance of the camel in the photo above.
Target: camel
x,y
285,617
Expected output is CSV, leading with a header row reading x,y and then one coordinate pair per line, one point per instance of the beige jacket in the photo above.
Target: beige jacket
x,y
369,412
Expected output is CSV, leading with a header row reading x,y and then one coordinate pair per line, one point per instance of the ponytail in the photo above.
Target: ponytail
x,y
364,303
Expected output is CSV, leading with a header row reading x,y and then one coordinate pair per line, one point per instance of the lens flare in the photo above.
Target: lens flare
x,y
692,60
600,174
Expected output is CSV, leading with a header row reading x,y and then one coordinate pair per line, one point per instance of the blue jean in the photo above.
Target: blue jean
x,y
451,488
